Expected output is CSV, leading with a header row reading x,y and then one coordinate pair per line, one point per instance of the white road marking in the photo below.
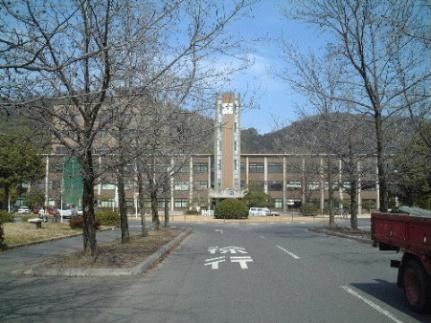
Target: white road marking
x,y
213,262
262,237
213,250
219,230
241,260
232,250
372,304
288,252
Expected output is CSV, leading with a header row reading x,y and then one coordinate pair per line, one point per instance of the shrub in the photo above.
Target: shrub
x,y
193,212
77,222
231,209
5,217
309,209
108,217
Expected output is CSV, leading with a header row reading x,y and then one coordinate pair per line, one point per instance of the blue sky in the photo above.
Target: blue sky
x,y
276,103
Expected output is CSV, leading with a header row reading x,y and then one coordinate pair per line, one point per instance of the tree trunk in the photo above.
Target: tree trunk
x,y
155,209
3,245
384,198
89,230
5,202
125,238
330,193
166,211
144,231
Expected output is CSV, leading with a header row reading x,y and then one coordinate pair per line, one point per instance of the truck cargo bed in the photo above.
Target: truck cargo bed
x,y
402,231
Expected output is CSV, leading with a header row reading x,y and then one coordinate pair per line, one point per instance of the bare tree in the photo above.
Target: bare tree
x,y
364,44
74,53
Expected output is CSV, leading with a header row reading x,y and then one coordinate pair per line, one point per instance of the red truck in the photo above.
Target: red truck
x,y
411,234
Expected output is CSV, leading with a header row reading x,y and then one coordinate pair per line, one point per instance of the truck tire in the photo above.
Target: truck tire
x,y
417,286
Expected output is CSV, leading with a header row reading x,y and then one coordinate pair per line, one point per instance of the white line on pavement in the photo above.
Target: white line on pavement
x,y
288,252
262,237
372,304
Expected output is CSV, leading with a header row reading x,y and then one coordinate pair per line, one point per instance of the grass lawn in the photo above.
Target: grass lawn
x,y
24,233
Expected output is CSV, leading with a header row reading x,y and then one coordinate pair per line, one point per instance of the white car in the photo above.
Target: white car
x,y
23,209
259,211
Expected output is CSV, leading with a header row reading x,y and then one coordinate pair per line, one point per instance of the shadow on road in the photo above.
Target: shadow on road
x,y
389,293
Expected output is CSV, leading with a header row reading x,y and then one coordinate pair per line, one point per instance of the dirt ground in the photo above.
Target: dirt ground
x,y
117,255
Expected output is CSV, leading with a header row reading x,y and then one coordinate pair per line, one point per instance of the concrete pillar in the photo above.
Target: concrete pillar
x,y
284,184
265,175
209,181
377,188
359,197
191,183
99,186
340,183
322,187
46,182
246,172
303,181
172,186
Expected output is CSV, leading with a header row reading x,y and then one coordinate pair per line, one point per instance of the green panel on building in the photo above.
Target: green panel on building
x,y
73,183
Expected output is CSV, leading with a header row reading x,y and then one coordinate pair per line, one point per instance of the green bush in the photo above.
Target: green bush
x,y
193,212
231,209
108,217
309,209
5,217
77,222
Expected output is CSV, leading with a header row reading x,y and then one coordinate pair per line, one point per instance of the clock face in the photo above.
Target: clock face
x,y
227,108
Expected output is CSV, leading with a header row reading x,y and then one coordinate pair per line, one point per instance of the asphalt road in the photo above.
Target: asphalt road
x,y
227,273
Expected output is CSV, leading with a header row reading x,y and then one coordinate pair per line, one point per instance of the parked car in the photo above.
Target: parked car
x,y
23,209
67,213
259,211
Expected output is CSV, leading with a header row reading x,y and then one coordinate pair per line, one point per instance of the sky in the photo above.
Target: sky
x,y
276,104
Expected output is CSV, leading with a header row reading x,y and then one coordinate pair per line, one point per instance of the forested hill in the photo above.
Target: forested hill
x,y
311,134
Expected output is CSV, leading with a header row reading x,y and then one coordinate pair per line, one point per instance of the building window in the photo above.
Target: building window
x,y
313,186
275,186
293,185
293,168
200,168
108,186
275,168
242,184
185,169
201,185
278,203
256,168
234,146
257,185
181,186
107,203
234,127
181,203
219,164
242,167
236,164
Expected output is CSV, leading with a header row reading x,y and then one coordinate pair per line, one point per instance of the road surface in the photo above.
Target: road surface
x,y
227,273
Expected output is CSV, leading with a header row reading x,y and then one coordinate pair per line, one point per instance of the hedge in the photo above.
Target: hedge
x,y
231,209
108,217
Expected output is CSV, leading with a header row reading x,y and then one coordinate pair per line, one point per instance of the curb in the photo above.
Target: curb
x,y
148,263
342,235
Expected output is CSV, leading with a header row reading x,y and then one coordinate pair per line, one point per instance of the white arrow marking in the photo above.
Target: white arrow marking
x,y
219,230
288,252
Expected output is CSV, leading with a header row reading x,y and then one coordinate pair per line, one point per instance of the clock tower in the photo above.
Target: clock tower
x,y
227,164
